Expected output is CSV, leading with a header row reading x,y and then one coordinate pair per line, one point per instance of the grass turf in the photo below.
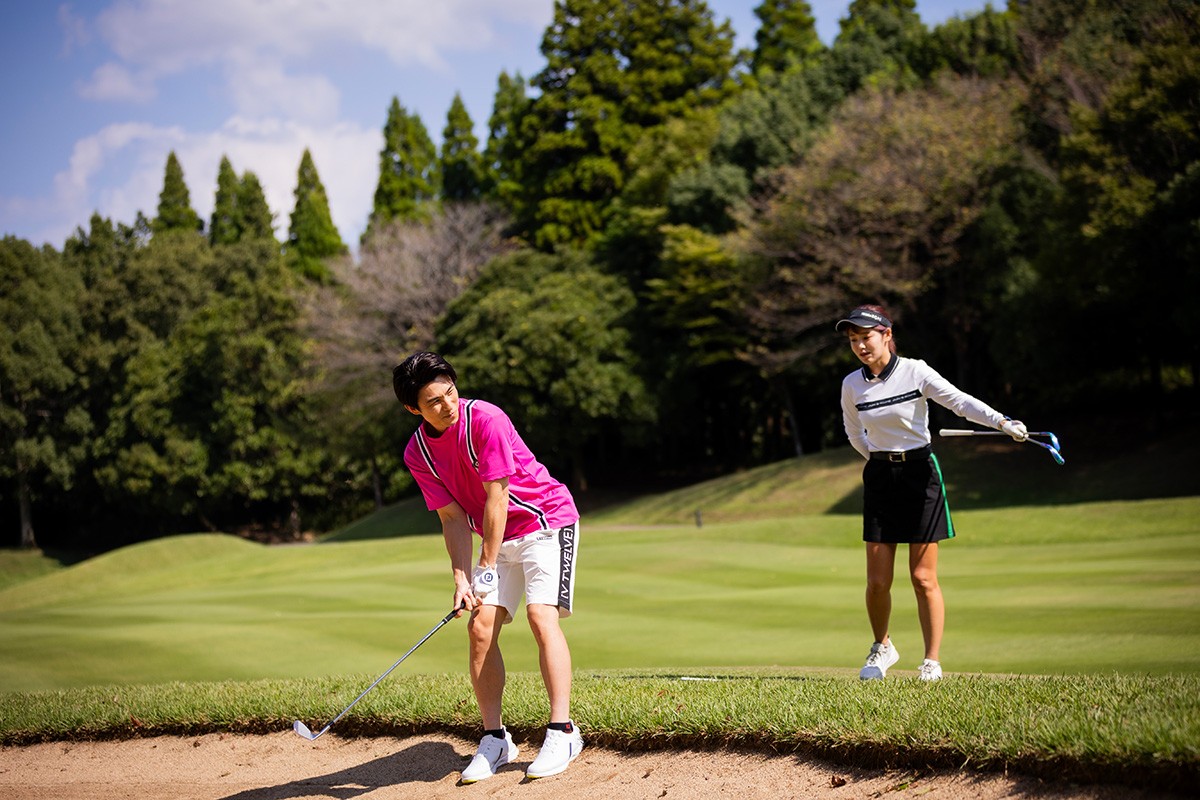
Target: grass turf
x,y
1089,728
214,633
1075,589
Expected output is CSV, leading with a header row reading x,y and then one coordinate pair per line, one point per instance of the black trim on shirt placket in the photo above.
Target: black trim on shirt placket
x,y
887,371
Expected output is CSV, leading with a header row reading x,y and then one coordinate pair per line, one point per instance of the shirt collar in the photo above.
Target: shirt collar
x,y
887,371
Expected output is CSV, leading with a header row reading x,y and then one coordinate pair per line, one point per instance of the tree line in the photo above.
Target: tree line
x,y
642,263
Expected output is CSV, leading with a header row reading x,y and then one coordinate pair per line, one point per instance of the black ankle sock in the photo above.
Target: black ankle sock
x,y
565,727
499,734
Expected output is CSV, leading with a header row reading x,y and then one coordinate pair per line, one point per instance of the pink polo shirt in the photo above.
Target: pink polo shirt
x,y
483,446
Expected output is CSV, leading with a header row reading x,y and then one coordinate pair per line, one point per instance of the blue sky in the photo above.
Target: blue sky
x,y
97,92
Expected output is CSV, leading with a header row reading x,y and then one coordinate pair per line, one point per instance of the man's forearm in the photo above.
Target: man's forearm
x,y
495,520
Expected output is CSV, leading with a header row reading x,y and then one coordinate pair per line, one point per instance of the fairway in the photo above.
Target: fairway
x,y
1105,587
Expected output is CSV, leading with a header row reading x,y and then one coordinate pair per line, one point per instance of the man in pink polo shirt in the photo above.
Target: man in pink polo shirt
x,y
480,477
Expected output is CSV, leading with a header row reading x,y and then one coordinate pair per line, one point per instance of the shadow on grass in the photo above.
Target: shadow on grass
x,y
424,762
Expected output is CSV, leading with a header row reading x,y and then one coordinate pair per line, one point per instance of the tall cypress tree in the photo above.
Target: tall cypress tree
x,y
462,164
409,178
175,211
787,36
223,228
312,236
502,155
877,41
240,210
255,220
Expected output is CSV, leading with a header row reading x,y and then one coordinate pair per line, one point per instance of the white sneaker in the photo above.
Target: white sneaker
x,y
930,670
879,659
493,754
558,751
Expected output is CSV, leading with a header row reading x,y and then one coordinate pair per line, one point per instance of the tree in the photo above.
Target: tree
x,y
40,434
312,236
614,69
224,228
875,45
1073,50
982,44
503,152
877,209
240,209
255,220
174,204
786,36
462,164
409,180
544,337
388,303
212,424
1129,233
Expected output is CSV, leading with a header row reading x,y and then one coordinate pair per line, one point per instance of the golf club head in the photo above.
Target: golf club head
x,y
1054,441
1057,456
302,730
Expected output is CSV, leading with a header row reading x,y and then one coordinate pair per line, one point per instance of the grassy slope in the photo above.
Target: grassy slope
x,y
17,566
1072,589
1064,587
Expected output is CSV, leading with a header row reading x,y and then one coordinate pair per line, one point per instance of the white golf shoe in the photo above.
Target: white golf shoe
x,y
881,657
930,670
493,754
557,752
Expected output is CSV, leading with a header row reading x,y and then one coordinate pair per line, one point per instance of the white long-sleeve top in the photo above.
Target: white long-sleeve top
x,y
891,413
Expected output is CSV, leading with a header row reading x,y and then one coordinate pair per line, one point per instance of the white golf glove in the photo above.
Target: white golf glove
x,y
483,581
1016,429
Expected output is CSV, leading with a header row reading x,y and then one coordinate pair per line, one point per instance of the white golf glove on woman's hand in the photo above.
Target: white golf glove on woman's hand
x,y
483,581
1015,428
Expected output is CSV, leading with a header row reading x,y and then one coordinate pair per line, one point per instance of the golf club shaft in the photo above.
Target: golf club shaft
x,y
446,619
1052,447
968,432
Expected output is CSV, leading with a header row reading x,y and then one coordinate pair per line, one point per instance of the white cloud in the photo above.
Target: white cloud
x,y
74,188
74,28
346,157
262,88
269,69
115,82
260,43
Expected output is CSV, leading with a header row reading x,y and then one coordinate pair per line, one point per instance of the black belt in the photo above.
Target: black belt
x,y
902,455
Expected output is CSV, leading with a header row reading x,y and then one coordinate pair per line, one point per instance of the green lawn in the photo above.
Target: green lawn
x,y
1048,589
1095,602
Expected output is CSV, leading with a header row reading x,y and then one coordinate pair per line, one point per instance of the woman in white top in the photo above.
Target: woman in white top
x,y
886,416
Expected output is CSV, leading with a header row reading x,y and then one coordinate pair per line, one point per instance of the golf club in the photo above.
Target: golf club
x,y
1052,446
303,730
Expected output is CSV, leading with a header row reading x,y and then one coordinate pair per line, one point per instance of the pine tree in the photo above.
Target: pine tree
x,y
462,165
240,210
312,236
255,220
502,155
877,42
408,170
614,69
223,228
174,203
787,36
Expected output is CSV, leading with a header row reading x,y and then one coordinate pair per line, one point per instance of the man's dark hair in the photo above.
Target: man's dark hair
x,y
415,372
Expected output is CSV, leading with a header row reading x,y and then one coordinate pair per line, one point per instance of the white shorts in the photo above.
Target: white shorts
x,y
540,566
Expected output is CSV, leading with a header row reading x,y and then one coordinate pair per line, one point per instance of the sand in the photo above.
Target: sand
x,y
281,766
